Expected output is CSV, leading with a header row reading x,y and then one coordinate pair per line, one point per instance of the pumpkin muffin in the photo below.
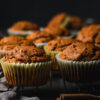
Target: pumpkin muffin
x,y
26,66
22,28
57,20
57,31
55,46
75,22
11,39
40,38
80,62
64,20
90,34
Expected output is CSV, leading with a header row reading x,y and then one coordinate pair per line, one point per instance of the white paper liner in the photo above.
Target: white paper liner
x,y
21,33
33,74
79,71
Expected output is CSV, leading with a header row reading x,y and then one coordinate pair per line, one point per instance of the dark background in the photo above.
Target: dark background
x,y
40,11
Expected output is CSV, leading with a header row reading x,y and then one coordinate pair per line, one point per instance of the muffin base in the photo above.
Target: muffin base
x,y
52,54
33,74
76,71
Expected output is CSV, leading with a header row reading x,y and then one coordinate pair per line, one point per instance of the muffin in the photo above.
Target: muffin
x,y
26,66
40,38
11,39
64,20
58,19
22,28
75,22
80,62
90,34
54,47
57,31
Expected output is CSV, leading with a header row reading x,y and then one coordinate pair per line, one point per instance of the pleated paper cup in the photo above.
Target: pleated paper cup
x,y
40,45
18,33
2,54
33,74
79,71
52,54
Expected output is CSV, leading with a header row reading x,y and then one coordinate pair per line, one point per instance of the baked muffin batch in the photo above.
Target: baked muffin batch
x,y
29,54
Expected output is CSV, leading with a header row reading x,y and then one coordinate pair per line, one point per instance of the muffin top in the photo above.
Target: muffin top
x,y
80,52
90,34
11,39
58,44
57,31
10,46
57,20
24,26
26,54
40,37
75,22
7,47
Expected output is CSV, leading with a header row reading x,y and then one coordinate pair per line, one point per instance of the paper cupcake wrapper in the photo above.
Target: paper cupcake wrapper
x,y
52,54
79,71
40,45
18,33
33,74
2,54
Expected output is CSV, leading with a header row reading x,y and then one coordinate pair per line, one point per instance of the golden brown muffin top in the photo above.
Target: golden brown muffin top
x,y
81,52
90,34
11,39
57,20
75,22
7,47
18,43
24,26
26,54
57,31
58,44
40,37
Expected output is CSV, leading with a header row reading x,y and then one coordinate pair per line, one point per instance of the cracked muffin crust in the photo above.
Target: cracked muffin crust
x,y
26,54
24,26
90,34
81,52
58,44
40,37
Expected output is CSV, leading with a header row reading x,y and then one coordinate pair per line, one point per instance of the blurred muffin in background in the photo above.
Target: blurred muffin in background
x,y
90,34
22,28
55,46
57,20
11,39
57,31
75,22
40,38
64,20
